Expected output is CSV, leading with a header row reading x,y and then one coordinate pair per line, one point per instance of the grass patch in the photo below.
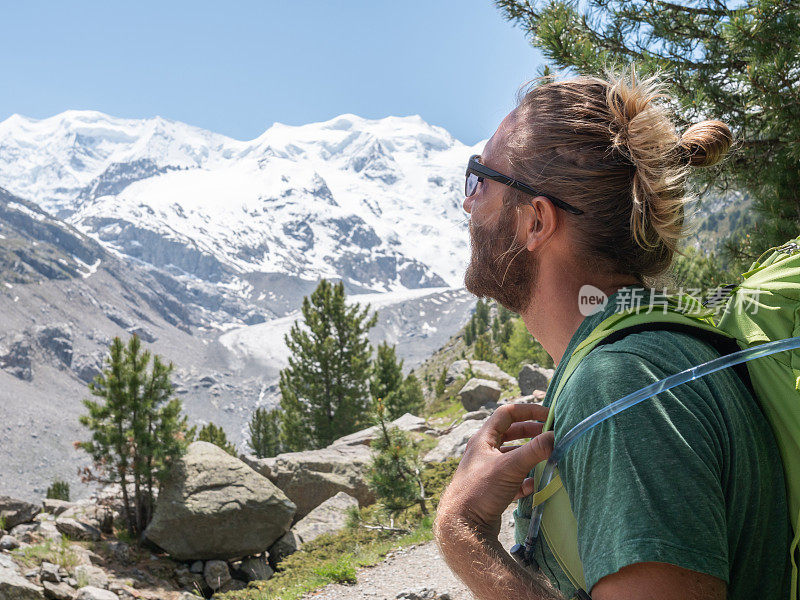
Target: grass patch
x,y
56,552
337,557
341,570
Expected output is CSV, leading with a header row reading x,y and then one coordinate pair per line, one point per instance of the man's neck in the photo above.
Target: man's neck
x,y
554,315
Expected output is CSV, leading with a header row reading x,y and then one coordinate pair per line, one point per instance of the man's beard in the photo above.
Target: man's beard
x,y
500,267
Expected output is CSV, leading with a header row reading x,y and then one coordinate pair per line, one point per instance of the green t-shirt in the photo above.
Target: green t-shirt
x,y
690,477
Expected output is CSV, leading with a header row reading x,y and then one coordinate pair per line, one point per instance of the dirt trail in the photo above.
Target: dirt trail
x,y
408,569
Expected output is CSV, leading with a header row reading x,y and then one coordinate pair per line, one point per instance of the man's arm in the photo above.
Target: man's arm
x,y
487,480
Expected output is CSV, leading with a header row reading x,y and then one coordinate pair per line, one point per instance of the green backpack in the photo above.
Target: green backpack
x,y
773,284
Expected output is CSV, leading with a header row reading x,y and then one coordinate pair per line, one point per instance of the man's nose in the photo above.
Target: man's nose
x,y
468,201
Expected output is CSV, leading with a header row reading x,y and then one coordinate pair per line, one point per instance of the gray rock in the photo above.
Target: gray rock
x,y
56,340
124,592
94,593
93,576
453,444
197,567
58,590
328,517
9,542
120,551
216,574
287,545
76,530
256,569
407,422
56,507
49,572
15,512
188,580
143,332
422,594
310,477
14,586
232,585
532,378
480,414
16,359
213,506
87,366
93,515
189,596
480,368
479,392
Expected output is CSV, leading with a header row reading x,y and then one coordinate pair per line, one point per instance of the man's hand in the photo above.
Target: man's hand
x,y
488,479
491,476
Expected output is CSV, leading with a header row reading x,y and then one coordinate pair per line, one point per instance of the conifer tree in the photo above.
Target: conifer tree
x,y
137,429
325,388
58,490
265,432
214,434
736,61
413,398
481,317
441,383
483,347
522,348
394,473
387,378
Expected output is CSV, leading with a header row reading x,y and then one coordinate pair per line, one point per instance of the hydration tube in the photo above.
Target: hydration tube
x,y
634,398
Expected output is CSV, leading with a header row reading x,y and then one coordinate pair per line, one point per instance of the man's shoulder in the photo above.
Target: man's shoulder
x,y
613,370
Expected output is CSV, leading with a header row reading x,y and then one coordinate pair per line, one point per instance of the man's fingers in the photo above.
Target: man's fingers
x,y
505,449
524,458
525,429
527,487
506,415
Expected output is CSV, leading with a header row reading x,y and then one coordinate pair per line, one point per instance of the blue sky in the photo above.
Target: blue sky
x,y
237,67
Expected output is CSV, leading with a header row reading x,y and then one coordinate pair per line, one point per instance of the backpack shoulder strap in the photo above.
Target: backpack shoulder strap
x,y
721,342
624,322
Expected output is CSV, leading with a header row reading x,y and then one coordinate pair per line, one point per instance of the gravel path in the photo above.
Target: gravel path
x,y
408,569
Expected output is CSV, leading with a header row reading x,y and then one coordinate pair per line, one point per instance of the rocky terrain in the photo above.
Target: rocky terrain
x,y
222,522
64,296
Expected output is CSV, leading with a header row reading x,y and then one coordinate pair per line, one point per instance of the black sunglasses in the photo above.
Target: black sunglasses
x,y
477,172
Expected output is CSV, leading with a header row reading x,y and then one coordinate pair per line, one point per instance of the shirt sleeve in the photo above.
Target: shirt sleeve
x,y
645,485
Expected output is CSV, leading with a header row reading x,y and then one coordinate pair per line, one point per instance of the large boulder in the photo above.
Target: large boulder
x,y
479,392
533,378
480,368
14,512
407,422
213,506
453,444
328,517
310,477
14,586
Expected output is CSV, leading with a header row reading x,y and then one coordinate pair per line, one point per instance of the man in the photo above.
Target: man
x,y
679,497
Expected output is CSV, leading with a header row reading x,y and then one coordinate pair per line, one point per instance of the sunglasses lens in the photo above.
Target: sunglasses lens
x,y
471,184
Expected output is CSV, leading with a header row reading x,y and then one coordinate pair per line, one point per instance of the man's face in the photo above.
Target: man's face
x,y
501,267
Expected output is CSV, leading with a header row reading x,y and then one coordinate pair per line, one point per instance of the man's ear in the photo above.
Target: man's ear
x,y
539,222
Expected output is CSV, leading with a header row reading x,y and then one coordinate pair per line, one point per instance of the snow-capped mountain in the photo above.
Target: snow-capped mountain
x,y
374,202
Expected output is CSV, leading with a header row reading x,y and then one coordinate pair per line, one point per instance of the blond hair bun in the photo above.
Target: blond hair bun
x,y
705,143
